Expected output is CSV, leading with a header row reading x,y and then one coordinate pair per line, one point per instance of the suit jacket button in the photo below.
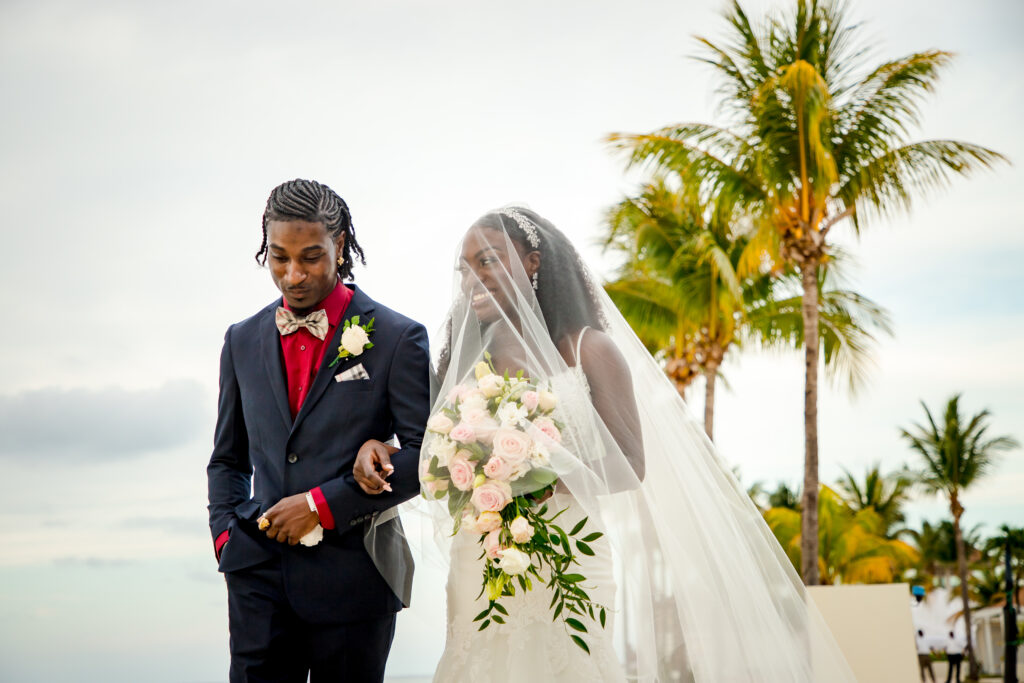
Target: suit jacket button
x,y
292,458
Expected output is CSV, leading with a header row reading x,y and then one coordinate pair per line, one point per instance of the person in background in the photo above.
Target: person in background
x,y
954,647
924,655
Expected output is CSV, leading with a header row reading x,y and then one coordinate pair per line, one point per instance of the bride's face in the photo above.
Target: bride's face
x,y
486,263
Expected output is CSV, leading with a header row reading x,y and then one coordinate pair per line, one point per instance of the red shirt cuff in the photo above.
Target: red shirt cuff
x,y
322,509
219,543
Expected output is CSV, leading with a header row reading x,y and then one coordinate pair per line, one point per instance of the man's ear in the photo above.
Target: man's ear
x,y
339,245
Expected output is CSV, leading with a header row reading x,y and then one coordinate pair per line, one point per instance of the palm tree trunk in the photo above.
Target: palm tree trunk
x,y
710,375
809,513
961,561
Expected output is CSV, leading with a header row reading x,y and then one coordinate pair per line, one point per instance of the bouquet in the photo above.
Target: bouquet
x,y
488,454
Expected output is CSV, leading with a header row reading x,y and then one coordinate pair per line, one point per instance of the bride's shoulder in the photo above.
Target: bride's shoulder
x,y
598,351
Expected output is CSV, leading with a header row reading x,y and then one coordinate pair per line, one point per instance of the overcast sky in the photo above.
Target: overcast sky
x,y
140,140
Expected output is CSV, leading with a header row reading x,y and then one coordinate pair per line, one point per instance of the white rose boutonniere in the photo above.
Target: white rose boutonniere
x,y
355,338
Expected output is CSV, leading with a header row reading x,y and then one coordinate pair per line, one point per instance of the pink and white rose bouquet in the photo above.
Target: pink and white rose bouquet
x,y
487,454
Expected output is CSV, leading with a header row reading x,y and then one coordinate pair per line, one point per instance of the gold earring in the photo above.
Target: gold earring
x,y
341,260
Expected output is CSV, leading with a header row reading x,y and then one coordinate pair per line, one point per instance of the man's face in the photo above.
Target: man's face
x,y
303,261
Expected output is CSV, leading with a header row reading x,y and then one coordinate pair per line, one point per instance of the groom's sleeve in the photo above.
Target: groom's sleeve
x,y
229,472
409,401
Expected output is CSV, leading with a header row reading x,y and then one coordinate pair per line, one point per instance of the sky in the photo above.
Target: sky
x,y
140,140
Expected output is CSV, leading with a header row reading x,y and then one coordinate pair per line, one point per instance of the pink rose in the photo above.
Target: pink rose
x,y
511,445
547,426
488,521
522,531
496,468
530,399
472,398
474,416
462,433
462,473
492,496
492,544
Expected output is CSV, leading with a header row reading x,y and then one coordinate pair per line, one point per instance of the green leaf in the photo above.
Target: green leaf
x,y
584,548
482,614
501,609
582,643
579,526
497,619
354,320
572,578
484,625
593,537
558,610
602,615
576,624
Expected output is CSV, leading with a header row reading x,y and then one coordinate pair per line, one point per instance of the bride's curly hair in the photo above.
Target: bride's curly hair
x,y
565,292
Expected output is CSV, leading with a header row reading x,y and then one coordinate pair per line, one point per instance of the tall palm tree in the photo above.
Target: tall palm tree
x,y
681,291
814,137
1012,538
957,452
885,494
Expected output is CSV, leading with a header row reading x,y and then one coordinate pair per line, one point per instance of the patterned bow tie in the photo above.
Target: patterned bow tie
x,y
288,322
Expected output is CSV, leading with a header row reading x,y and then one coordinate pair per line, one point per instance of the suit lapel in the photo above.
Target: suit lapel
x,y
360,305
270,348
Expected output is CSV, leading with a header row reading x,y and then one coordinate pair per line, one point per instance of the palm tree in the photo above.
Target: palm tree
x,y
885,494
813,138
995,547
957,453
680,290
853,545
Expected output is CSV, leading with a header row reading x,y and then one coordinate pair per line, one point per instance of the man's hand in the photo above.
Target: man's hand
x,y
373,466
290,519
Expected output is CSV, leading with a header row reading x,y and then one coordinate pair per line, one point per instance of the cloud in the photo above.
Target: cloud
x,y
91,562
112,423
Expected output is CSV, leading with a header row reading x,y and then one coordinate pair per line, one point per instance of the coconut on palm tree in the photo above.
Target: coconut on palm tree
x,y
814,136
958,452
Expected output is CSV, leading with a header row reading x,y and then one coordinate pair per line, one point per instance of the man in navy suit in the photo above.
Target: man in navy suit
x,y
310,392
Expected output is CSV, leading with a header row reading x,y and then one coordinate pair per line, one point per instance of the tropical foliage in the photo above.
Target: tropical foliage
x,y
813,136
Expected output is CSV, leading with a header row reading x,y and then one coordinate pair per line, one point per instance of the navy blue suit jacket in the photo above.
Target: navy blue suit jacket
x,y
261,455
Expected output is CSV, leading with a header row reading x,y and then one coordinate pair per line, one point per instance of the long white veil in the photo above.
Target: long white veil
x,y
703,590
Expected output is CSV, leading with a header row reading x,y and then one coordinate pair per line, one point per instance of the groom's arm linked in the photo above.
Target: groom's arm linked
x,y
409,402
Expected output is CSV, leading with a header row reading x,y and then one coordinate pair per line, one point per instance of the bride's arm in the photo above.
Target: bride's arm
x,y
611,389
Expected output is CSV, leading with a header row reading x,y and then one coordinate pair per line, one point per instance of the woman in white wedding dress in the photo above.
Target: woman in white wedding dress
x,y
695,586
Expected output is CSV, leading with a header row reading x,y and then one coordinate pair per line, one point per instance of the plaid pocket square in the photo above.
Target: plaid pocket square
x,y
354,372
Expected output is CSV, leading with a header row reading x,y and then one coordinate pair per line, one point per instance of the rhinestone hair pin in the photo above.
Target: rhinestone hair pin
x,y
524,223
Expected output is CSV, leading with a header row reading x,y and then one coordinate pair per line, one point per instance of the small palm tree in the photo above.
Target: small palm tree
x,y
853,545
996,547
957,453
814,137
885,494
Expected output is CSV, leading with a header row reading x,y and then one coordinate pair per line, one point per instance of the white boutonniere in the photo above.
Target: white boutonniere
x,y
355,338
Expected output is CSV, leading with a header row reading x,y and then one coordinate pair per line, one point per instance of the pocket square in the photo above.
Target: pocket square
x,y
355,372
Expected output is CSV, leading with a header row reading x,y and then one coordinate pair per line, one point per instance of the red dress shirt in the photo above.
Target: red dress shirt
x,y
303,353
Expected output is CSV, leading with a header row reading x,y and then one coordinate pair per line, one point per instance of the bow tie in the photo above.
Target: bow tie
x,y
288,322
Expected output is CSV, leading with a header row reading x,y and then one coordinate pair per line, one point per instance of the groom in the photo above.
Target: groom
x,y
295,431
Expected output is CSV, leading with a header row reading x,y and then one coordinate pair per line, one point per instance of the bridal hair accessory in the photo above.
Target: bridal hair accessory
x,y
534,280
524,224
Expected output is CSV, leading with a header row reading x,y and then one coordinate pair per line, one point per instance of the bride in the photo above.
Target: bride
x,y
679,579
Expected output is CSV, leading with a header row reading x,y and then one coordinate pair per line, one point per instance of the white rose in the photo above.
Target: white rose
x,y
511,414
354,339
514,561
313,537
440,423
443,448
472,400
547,401
521,530
539,455
490,385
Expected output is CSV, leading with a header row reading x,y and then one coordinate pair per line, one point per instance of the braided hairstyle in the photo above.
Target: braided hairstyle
x,y
308,200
